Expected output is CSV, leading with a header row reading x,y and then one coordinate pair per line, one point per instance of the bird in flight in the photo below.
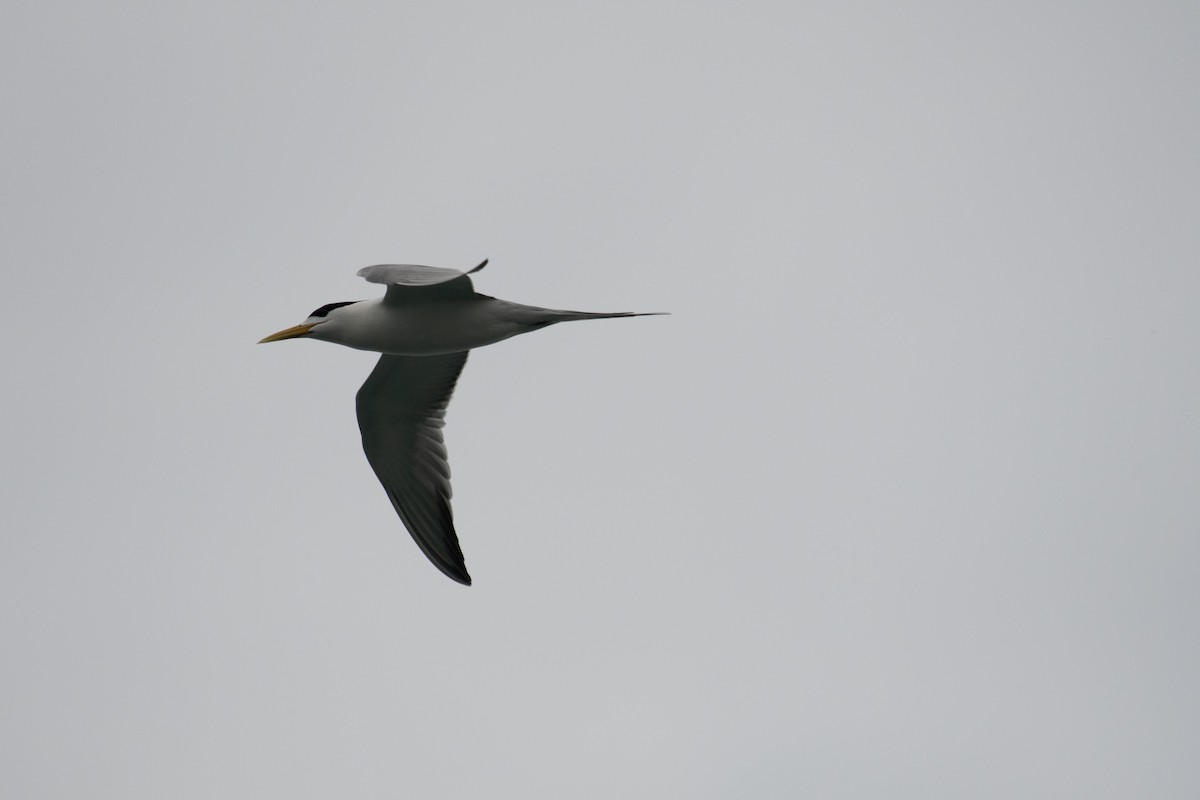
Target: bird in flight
x,y
424,326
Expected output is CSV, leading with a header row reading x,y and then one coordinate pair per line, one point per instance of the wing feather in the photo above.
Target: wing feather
x,y
401,412
416,283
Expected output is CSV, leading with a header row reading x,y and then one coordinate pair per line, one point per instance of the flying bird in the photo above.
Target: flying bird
x,y
424,326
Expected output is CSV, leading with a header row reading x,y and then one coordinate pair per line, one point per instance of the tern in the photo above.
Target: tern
x,y
424,326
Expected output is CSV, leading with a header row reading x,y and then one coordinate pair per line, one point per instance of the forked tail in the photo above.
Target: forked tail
x,y
568,316
532,317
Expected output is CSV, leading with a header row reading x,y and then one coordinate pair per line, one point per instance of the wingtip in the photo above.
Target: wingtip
x,y
454,570
482,264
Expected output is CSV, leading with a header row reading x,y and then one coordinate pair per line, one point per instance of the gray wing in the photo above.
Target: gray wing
x,y
408,282
401,411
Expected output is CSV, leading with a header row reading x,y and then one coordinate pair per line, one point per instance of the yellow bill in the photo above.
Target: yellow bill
x,y
288,333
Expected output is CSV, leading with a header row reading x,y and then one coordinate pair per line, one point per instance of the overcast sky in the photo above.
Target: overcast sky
x,y
900,502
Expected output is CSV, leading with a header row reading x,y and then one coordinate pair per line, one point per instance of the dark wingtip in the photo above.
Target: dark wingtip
x,y
482,264
455,572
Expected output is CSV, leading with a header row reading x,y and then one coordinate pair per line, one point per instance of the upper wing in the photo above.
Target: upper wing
x,y
413,281
401,411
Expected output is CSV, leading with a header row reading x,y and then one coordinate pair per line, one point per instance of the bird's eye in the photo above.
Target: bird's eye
x,y
325,309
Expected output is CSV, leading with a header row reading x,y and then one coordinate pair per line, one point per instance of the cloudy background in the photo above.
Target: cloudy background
x,y
900,502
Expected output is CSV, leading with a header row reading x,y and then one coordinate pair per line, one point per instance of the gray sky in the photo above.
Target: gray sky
x,y
901,502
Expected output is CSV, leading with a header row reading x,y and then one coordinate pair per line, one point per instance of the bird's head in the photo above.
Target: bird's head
x,y
319,317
